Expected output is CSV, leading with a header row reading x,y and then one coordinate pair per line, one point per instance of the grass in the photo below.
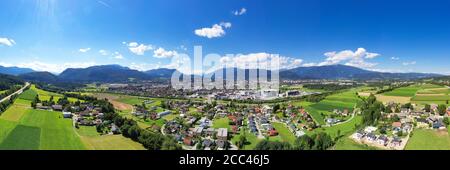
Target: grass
x,y
28,95
284,132
345,128
94,141
341,101
426,139
409,91
252,139
45,95
14,113
26,128
22,138
222,123
345,143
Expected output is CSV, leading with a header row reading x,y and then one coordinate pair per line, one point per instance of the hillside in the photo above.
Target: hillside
x,y
105,73
39,77
14,70
345,72
6,81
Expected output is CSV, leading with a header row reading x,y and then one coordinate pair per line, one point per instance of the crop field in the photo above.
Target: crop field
x,y
425,139
28,129
340,101
409,91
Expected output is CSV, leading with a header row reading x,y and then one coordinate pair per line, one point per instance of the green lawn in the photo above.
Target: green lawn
x,y
252,139
94,141
345,143
425,139
284,133
222,123
341,101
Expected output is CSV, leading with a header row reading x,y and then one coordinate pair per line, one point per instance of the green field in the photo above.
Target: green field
x,y
341,101
36,129
283,133
346,143
425,139
94,141
252,139
222,123
409,91
45,95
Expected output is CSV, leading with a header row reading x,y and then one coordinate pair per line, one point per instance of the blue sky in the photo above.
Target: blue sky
x,y
397,36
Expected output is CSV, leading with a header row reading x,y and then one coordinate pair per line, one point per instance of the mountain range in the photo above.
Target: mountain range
x,y
117,73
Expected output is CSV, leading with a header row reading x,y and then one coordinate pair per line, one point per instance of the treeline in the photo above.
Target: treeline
x,y
5,104
329,87
319,141
10,91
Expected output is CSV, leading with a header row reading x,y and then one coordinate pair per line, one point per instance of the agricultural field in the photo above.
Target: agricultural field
x,y
418,94
41,130
94,141
340,101
30,129
426,139
45,95
409,91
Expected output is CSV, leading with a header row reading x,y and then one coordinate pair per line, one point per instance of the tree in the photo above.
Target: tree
x,y
241,142
304,143
427,108
446,121
170,144
442,109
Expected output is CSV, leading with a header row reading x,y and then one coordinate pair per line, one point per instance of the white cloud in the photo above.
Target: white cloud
x,y
117,55
144,66
395,58
242,11
349,57
103,52
54,68
83,50
162,53
217,30
138,49
261,60
409,63
7,42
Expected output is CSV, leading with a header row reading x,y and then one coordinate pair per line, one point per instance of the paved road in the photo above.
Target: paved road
x,y
17,92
